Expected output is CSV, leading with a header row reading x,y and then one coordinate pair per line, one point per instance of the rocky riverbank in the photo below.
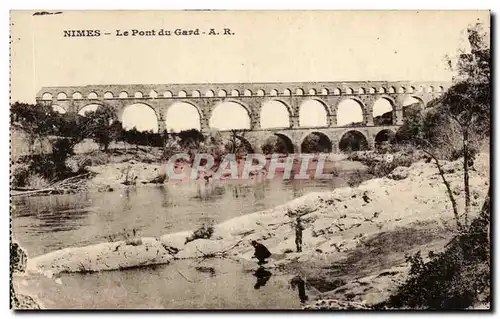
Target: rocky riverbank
x,y
355,239
105,172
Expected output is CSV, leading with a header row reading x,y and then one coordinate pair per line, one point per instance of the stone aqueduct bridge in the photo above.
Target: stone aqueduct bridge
x,y
205,97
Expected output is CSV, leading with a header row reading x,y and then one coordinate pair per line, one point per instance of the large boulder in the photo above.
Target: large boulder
x,y
104,256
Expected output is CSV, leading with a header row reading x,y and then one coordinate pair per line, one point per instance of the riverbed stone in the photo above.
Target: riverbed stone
x,y
104,256
323,226
399,173
176,240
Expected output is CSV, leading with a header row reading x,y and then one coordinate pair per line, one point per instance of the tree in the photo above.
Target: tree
x,y
275,144
462,114
102,126
36,120
468,101
237,142
190,138
473,62
468,105
353,141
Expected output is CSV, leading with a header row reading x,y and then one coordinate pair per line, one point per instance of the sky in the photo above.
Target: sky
x,y
266,46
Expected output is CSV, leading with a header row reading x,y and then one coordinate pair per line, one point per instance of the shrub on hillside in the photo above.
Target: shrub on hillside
x,y
383,168
457,278
19,174
357,177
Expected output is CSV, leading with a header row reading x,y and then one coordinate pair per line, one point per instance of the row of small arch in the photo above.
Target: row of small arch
x,y
247,92
381,136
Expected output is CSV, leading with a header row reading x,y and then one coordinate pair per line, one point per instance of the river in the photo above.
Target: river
x,y
47,223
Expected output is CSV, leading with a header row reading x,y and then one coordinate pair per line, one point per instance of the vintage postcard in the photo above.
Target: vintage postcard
x,y
251,160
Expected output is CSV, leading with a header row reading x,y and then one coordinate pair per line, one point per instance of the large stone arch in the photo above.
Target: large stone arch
x,y
244,142
385,135
187,102
237,101
122,110
389,98
89,103
282,101
251,115
420,99
324,105
361,104
286,141
393,107
355,132
322,137
59,109
287,108
201,115
422,102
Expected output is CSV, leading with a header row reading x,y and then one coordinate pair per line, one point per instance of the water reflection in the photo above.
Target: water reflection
x,y
236,192
205,269
56,221
166,200
55,215
263,277
126,203
215,284
299,283
260,191
209,192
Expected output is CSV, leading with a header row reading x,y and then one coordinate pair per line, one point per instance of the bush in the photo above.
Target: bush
x,y
36,181
473,151
127,235
353,141
19,174
381,169
457,278
357,177
204,232
384,168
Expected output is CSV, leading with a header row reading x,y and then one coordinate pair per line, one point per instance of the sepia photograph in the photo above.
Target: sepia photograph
x,y
250,160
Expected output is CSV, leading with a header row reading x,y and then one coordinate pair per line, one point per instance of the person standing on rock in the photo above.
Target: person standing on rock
x,y
298,234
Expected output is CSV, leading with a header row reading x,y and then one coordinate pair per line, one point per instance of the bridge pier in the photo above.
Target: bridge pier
x,y
398,116
294,121
371,141
335,145
255,122
204,125
332,120
297,148
368,116
162,125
